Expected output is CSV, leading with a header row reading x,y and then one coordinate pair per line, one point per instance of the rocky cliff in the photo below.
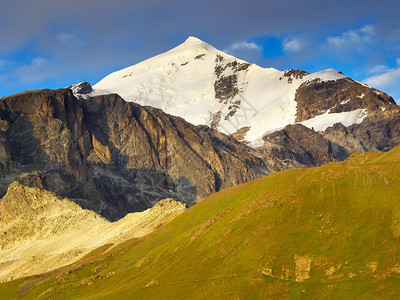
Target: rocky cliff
x,y
317,97
297,146
112,156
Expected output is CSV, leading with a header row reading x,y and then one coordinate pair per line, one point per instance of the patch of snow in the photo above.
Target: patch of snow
x,y
325,75
383,108
344,101
348,118
256,143
363,84
361,96
75,90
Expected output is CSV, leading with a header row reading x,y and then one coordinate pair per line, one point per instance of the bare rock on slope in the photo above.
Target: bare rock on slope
x,y
299,146
317,97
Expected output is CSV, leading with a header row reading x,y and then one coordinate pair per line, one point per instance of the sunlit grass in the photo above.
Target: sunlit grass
x,y
326,232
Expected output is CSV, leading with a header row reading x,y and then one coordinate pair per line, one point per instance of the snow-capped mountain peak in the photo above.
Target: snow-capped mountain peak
x,y
192,41
325,75
209,87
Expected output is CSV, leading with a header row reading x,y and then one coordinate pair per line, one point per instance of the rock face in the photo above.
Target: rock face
x,y
297,146
343,95
81,89
292,74
115,157
380,131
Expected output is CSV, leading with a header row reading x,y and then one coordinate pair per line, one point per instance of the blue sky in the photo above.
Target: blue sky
x,y
52,44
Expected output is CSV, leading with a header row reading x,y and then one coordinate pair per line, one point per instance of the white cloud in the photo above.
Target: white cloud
x,y
368,29
69,39
352,37
243,45
37,65
38,61
293,45
387,80
378,69
383,80
384,75
248,51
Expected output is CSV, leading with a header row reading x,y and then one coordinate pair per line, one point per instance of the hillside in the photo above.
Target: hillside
x,y
331,231
40,231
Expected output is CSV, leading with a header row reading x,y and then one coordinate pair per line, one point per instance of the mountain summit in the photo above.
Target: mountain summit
x,y
206,86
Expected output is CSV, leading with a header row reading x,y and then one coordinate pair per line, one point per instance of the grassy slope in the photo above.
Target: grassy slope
x,y
326,232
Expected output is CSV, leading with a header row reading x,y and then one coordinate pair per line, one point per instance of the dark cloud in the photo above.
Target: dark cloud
x,y
221,21
94,37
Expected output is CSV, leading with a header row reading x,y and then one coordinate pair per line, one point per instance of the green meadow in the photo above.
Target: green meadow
x,y
331,232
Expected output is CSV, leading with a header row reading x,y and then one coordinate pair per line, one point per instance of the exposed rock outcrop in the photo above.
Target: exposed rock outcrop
x,y
226,86
379,131
317,97
291,74
116,157
81,89
298,146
